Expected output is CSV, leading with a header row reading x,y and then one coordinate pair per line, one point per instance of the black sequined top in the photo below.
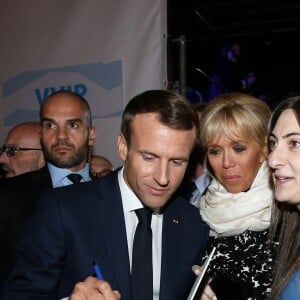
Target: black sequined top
x,y
242,266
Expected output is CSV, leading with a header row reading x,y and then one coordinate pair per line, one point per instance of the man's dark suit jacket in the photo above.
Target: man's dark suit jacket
x,y
79,224
19,196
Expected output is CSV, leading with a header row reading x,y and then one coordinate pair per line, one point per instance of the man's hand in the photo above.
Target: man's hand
x,y
94,289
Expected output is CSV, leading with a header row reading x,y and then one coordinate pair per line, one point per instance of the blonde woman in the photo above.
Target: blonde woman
x,y
237,204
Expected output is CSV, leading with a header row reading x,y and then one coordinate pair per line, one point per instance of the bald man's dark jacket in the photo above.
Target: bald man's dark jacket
x,y
19,196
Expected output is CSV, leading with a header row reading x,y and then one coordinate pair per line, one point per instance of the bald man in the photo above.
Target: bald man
x,y
21,151
66,134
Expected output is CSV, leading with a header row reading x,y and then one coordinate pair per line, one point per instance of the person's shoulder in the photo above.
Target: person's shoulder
x,y
27,178
17,184
292,289
180,211
186,209
84,189
181,202
16,179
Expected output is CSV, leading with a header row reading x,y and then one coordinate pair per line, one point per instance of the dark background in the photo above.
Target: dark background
x,y
268,31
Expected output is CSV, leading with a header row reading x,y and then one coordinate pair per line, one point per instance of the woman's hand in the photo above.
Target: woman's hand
x,y
208,293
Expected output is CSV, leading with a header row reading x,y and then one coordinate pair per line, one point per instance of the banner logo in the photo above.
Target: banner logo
x,y
100,83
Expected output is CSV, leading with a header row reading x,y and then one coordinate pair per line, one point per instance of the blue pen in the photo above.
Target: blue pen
x,y
97,271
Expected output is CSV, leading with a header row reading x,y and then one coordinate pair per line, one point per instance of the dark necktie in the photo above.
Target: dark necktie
x,y
141,270
75,178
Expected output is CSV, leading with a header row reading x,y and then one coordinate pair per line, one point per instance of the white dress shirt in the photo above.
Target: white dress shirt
x,y
130,204
59,175
202,182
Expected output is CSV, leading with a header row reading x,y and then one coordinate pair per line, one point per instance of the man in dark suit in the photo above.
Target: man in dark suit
x,y
97,221
19,196
66,137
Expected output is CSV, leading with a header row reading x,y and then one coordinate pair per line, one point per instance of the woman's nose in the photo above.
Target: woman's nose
x,y
228,160
277,158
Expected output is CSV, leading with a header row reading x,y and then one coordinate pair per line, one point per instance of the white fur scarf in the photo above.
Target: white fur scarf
x,y
231,214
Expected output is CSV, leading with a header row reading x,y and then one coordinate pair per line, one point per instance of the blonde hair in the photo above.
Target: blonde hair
x,y
248,114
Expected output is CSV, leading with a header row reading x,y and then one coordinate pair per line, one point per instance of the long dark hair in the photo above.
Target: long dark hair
x,y
285,223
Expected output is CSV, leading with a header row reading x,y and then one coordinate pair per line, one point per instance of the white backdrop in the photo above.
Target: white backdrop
x,y
108,51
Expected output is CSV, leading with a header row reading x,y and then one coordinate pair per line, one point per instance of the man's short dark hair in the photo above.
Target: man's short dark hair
x,y
172,108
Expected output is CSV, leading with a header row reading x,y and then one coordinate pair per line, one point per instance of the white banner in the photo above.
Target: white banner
x,y
107,51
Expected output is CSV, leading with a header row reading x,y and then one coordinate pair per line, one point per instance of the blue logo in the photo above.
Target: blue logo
x,y
80,89
100,83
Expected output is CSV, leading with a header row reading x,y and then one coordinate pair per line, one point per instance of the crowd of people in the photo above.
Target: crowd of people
x,y
222,176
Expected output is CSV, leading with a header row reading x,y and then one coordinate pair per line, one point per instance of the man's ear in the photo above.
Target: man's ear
x,y
41,160
92,136
122,147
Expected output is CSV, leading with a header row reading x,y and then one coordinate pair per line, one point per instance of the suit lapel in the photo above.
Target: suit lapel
x,y
170,250
112,224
